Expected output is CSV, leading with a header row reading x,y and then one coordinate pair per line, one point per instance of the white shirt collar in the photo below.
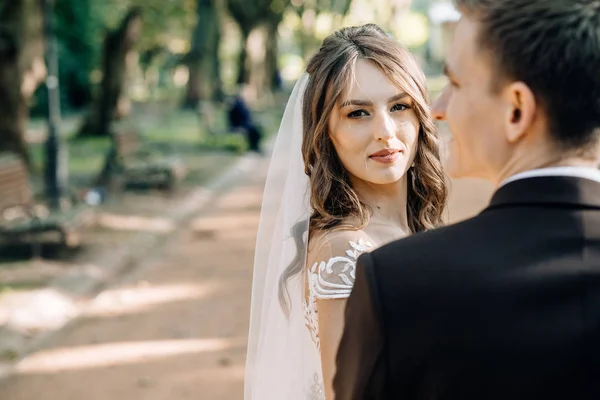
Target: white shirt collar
x,y
576,172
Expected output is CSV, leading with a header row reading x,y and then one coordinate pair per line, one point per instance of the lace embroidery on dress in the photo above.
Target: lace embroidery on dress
x,y
311,318
331,279
316,390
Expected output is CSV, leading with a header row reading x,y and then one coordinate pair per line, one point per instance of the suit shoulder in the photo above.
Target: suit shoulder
x,y
444,242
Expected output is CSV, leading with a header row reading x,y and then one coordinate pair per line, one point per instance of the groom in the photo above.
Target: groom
x,y
505,305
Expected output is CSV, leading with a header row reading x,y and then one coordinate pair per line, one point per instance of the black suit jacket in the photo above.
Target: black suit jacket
x,y
505,305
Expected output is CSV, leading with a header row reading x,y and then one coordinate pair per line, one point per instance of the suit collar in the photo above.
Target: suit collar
x,y
574,171
546,190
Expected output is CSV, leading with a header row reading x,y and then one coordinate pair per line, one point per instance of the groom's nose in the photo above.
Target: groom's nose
x,y
438,109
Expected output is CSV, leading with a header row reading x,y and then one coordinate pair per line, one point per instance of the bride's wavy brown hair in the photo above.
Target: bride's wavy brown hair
x,y
330,72
332,197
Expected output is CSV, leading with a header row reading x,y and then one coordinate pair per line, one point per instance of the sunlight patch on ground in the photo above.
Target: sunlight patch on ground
x,y
114,354
135,223
129,300
37,311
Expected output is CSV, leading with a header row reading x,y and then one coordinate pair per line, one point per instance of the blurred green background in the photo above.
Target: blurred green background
x,y
168,67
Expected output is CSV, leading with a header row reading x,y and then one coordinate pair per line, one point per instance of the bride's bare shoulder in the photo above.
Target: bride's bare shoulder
x,y
331,261
325,244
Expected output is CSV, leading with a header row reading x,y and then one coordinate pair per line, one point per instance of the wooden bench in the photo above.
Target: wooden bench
x,y
24,220
140,164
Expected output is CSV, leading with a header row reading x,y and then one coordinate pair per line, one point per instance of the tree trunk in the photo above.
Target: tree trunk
x,y
202,60
13,113
192,94
243,73
219,94
271,66
118,46
21,70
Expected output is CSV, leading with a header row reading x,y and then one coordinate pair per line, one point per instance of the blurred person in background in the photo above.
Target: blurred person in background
x,y
239,117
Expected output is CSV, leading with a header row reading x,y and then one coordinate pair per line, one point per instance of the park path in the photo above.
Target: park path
x,y
175,328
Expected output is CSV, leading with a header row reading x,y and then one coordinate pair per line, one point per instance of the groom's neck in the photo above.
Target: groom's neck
x,y
527,159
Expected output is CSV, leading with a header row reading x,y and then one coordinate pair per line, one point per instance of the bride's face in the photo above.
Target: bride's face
x,y
374,128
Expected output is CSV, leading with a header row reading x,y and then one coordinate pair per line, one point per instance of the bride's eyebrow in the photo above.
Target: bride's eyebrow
x,y
366,103
397,97
356,103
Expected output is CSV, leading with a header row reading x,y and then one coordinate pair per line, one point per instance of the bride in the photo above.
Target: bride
x,y
355,166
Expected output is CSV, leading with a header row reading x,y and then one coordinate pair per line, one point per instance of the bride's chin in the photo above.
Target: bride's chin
x,y
387,179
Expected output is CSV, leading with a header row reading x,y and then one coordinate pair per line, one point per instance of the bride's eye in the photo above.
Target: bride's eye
x,y
358,114
400,107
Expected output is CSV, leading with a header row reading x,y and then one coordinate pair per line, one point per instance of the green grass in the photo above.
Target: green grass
x,y
232,142
10,355
19,286
179,127
85,156
183,131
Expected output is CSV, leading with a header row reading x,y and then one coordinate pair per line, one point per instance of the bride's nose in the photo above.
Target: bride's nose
x,y
384,127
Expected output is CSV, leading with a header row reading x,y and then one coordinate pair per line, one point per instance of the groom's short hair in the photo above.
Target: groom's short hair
x,y
553,46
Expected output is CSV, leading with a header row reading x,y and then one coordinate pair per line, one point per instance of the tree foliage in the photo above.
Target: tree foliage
x,y
257,61
309,12
79,45
82,26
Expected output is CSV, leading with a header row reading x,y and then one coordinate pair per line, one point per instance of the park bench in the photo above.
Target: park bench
x,y
25,220
144,164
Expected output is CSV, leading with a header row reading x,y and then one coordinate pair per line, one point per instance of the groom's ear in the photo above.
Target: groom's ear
x,y
520,111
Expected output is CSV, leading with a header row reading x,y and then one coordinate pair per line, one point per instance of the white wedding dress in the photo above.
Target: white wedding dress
x,y
331,278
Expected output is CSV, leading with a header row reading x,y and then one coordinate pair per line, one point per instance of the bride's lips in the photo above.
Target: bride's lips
x,y
386,156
